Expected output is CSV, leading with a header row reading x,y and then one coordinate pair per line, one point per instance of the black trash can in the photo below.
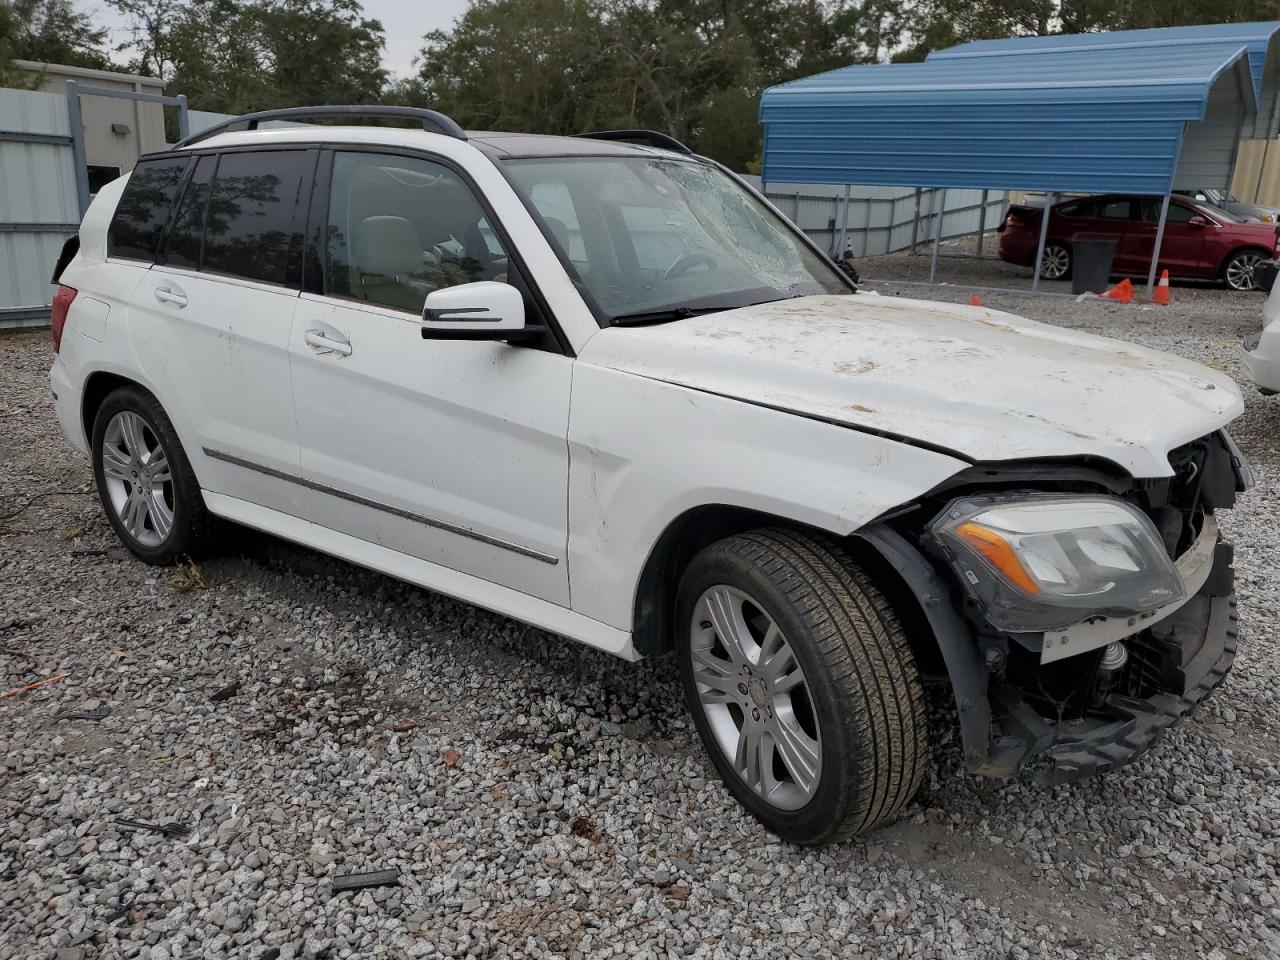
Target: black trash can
x,y
1091,271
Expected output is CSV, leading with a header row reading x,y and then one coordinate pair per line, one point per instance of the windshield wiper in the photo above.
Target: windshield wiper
x,y
665,315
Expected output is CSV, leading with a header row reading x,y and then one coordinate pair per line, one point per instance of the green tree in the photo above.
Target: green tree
x,y
237,56
49,31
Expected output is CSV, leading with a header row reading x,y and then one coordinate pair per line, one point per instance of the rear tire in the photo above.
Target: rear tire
x,y
145,482
844,748
1056,263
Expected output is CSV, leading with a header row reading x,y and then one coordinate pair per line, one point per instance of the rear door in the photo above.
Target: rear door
x,y
1113,218
1095,218
214,315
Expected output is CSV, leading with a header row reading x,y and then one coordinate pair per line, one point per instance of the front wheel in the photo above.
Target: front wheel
x,y
801,684
1237,271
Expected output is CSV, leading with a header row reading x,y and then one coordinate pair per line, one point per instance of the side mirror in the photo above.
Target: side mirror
x,y
1197,221
485,310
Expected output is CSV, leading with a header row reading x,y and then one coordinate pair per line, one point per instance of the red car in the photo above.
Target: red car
x,y
1200,242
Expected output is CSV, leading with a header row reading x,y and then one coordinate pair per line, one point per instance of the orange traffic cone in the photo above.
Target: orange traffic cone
x,y
1122,291
975,301
1162,289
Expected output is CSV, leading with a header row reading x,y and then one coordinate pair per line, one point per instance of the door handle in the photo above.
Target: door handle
x,y
169,295
322,344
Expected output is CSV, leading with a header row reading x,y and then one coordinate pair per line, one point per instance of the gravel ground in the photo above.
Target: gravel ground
x,y
302,719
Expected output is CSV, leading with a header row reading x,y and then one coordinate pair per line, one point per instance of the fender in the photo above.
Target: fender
x,y
644,452
954,637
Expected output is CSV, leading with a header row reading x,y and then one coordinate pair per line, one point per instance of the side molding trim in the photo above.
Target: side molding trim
x,y
384,507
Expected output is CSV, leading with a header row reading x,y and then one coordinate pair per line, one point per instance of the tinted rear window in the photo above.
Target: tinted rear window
x,y
256,213
188,219
143,210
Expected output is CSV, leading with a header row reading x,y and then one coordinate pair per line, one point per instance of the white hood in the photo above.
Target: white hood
x,y
984,384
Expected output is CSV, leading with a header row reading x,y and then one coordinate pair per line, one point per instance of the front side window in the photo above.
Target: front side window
x,y
143,210
256,215
655,236
401,227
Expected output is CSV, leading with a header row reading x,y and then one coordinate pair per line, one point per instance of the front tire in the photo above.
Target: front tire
x,y
802,685
1237,269
145,482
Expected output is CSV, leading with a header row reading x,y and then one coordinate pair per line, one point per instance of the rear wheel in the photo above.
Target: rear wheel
x,y
1056,262
1237,270
801,684
144,479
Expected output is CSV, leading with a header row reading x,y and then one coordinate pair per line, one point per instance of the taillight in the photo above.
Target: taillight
x,y
58,319
1013,220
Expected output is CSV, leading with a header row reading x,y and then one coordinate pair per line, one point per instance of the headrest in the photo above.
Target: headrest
x,y
387,246
560,230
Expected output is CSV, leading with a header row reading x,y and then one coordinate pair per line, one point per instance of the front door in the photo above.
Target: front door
x,y
215,313
450,451
1182,249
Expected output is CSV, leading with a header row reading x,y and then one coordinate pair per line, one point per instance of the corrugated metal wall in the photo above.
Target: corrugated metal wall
x,y
883,219
38,207
1257,177
1210,146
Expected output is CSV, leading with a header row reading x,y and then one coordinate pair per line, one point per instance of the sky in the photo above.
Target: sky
x,y
404,23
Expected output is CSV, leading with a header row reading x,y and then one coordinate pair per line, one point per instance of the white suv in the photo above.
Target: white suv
x,y
601,386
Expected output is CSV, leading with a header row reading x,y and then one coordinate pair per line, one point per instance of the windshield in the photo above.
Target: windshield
x,y
651,238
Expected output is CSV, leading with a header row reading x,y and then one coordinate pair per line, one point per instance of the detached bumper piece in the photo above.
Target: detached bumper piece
x,y
1173,666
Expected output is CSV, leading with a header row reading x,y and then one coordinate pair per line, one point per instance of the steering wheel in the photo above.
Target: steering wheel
x,y
686,263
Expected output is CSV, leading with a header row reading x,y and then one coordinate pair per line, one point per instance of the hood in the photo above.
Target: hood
x,y
967,380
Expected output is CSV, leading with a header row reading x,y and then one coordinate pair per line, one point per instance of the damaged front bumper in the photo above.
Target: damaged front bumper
x,y
1181,661
1175,661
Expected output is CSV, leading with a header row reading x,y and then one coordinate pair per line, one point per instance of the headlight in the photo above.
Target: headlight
x,y
1039,563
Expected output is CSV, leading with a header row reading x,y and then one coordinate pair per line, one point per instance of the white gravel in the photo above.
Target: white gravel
x,y
540,799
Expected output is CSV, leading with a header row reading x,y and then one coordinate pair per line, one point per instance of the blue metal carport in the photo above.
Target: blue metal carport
x,y
1261,39
1126,118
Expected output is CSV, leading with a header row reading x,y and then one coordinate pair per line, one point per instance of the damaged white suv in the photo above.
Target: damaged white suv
x,y
600,386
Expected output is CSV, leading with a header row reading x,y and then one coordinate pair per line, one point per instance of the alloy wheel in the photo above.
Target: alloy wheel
x,y
755,698
1055,262
138,478
1240,271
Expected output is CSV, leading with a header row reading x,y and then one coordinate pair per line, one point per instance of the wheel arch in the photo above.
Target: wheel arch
x,y
1222,264
940,638
97,387
653,606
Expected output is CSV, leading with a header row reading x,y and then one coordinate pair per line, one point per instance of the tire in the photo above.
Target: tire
x,y
858,708
1237,269
130,430
1056,263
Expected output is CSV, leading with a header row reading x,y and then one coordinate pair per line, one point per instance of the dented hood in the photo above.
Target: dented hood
x,y
983,384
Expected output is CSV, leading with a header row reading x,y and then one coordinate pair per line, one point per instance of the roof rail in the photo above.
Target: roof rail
x,y
650,137
431,120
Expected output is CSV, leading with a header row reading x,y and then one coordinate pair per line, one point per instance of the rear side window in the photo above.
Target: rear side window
x,y
143,211
256,215
188,219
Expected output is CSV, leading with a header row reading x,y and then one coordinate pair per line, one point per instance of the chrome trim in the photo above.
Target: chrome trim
x,y
384,507
1194,567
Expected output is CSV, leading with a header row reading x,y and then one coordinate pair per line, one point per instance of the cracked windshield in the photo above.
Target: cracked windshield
x,y
648,240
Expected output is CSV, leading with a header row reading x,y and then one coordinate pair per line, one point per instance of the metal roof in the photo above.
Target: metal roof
x,y
1080,119
1262,39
